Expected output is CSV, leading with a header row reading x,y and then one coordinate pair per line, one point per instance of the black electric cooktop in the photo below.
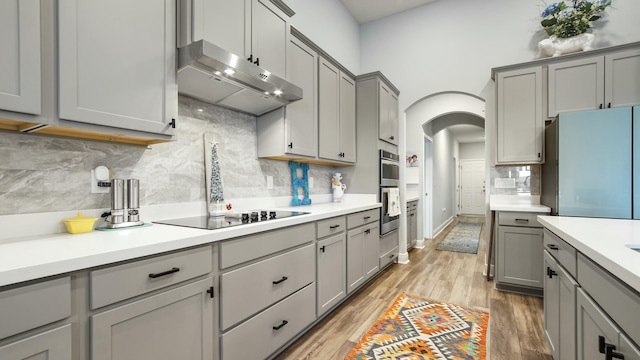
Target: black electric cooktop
x,y
234,219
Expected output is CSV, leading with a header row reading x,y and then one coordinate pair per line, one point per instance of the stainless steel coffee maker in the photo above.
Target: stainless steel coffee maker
x,y
125,204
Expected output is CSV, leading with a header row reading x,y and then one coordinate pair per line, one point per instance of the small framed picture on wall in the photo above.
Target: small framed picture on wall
x,y
412,159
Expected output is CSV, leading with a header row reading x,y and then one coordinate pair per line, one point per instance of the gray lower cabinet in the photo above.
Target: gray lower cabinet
x,y
559,309
412,223
51,345
107,81
519,253
175,324
388,249
362,255
332,264
598,337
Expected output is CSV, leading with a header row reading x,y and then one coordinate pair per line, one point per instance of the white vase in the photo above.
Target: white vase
x,y
555,46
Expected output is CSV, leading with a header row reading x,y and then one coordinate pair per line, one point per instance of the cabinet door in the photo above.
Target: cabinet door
x,y
383,121
355,259
519,257
51,345
301,122
622,78
176,324
117,63
567,288
332,277
394,118
20,42
552,304
591,325
520,123
371,250
269,33
347,119
627,348
224,23
329,111
576,85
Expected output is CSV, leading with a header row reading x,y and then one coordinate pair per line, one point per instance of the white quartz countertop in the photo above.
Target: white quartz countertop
x,y
29,258
517,203
603,241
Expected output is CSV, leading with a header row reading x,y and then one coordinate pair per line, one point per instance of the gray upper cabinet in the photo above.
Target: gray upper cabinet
x,y
291,131
256,30
117,63
388,121
519,116
337,114
20,86
596,82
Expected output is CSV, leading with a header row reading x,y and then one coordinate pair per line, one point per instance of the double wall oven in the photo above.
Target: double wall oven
x,y
389,182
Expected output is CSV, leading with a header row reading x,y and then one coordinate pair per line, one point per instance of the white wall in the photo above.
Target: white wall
x,y
473,150
443,152
328,24
453,44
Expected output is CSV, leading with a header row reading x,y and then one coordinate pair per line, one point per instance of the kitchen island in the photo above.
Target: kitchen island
x,y
591,287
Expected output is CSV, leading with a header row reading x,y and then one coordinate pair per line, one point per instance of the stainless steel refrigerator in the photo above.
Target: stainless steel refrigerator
x,y
589,164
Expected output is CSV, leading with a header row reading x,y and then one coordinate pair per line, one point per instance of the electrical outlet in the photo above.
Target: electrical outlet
x,y
269,182
98,175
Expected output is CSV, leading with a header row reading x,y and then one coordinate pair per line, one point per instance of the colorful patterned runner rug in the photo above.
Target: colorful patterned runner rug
x,y
464,237
417,328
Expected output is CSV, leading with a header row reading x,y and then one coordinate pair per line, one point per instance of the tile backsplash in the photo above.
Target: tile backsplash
x,y
514,180
42,174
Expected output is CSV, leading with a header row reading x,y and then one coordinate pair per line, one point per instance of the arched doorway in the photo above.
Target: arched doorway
x,y
425,118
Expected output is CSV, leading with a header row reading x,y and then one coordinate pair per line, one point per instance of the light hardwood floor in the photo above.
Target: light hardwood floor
x,y
515,325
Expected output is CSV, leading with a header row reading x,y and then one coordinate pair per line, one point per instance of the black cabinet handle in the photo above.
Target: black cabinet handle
x,y
522,220
173,123
391,256
600,106
257,62
368,231
552,246
539,155
322,248
609,105
284,278
290,145
612,354
250,58
392,137
334,227
157,275
551,273
412,214
210,292
367,218
284,322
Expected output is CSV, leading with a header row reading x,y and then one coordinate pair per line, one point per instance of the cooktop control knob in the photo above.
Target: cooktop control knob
x,y
245,218
254,216
263,215
272,214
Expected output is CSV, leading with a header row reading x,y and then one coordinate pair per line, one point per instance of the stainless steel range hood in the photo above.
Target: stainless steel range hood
x,y
214,75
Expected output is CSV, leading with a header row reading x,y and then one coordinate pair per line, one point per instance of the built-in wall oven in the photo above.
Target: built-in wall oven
x,y
389,181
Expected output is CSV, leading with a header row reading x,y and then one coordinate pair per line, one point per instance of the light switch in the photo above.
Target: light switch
x,y
269,182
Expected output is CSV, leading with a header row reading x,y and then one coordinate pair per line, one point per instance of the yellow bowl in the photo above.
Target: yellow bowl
x,y
79,224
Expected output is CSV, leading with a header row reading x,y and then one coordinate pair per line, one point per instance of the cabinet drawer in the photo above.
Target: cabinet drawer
x,y
121,282
245,291
518,219
617,300
363,217
31,306
561,251
389,257
269,330
331,226
412,205
240,250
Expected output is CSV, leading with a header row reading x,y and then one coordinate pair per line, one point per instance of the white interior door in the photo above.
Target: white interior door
x,y
472,187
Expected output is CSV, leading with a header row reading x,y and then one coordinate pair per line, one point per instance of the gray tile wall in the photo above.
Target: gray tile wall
x,y
42,174
533,182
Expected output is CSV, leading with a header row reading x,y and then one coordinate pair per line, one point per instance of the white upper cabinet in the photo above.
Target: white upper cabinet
x,y
20,86
254,29
605,81
519,111
117,62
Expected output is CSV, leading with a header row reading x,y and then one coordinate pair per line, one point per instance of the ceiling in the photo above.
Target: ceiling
x,y
466,133
368,10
